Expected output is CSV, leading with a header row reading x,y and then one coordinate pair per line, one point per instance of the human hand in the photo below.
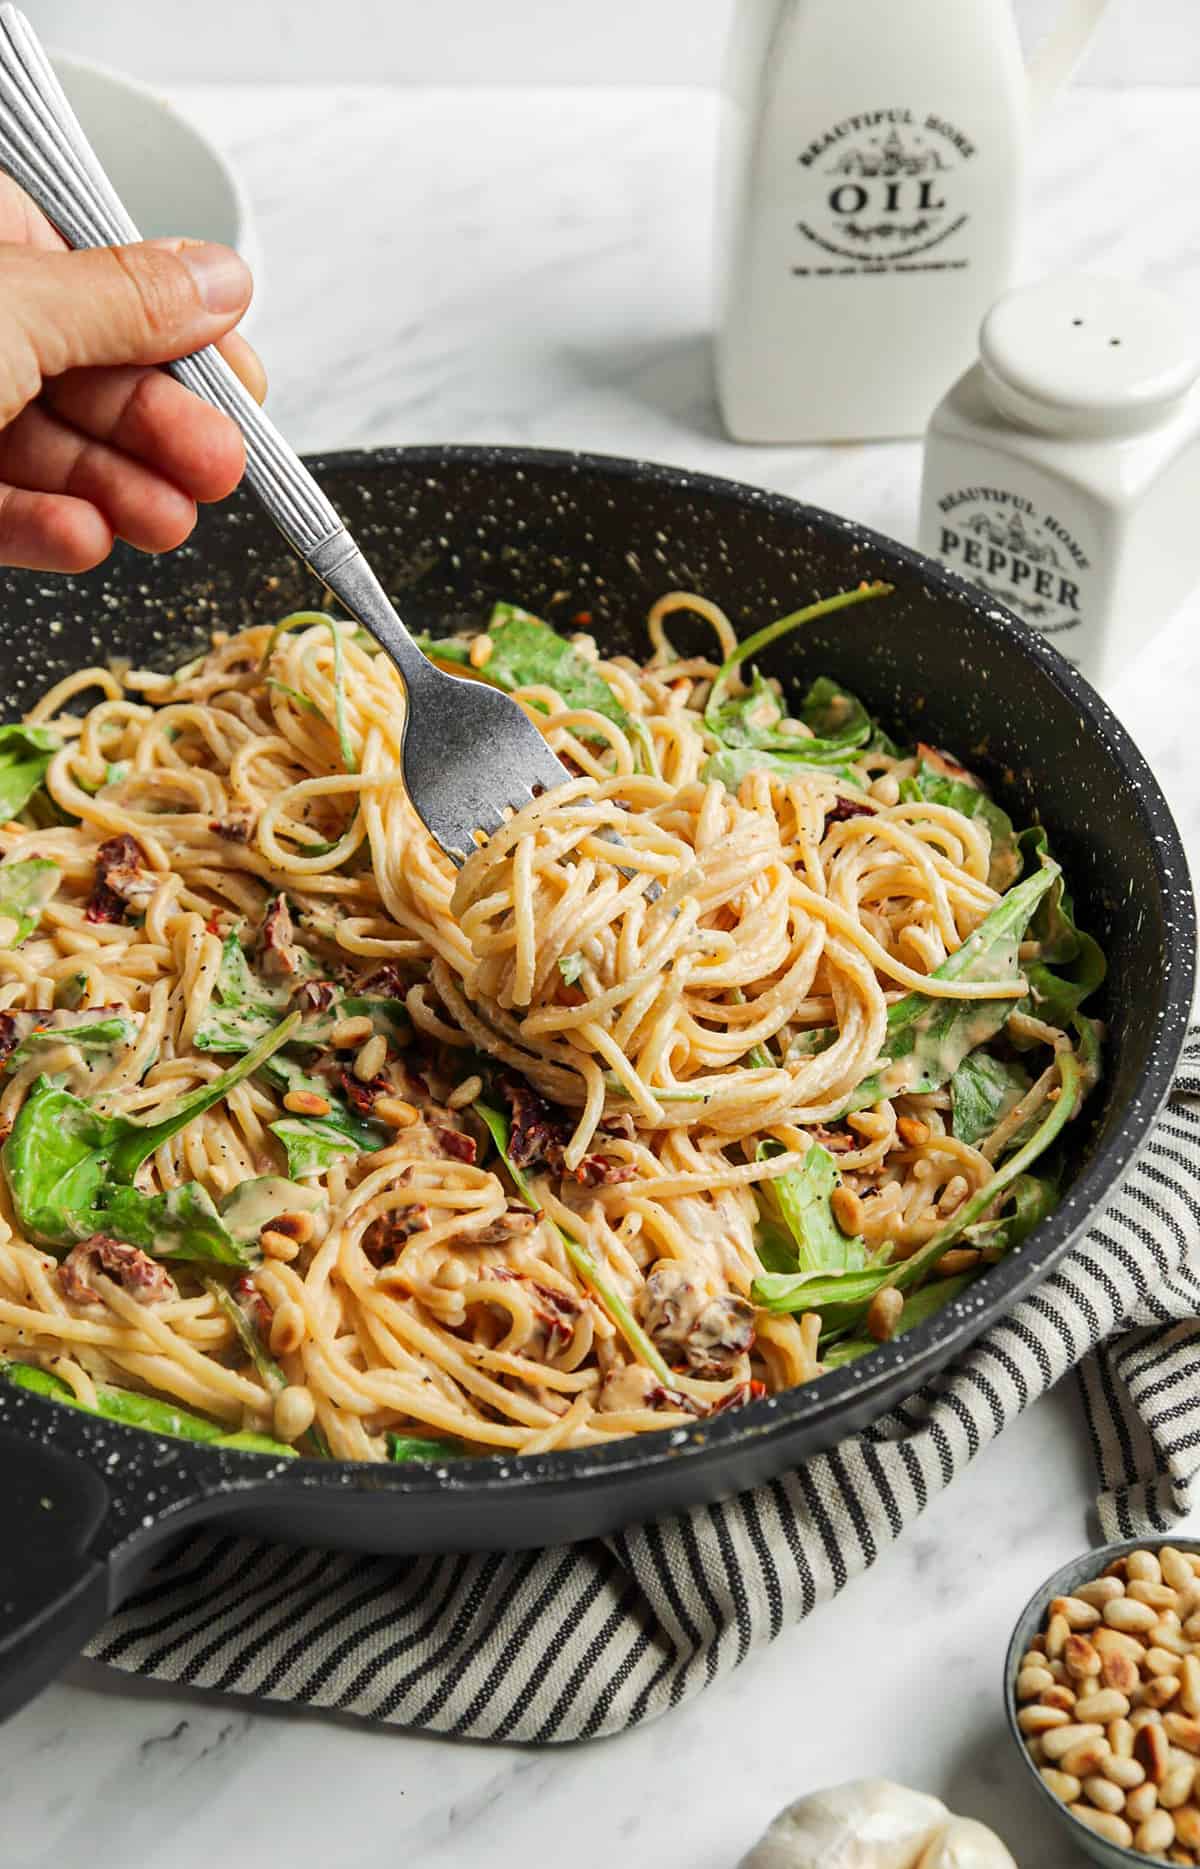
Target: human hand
x,y
95,443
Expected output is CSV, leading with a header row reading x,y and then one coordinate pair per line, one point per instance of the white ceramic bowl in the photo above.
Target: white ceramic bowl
x,y
170,177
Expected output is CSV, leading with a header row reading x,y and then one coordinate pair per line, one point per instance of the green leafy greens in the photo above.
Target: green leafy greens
x,y
25,753
70,1170
527,653
25,889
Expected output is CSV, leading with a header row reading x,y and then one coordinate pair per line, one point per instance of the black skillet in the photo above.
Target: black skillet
x,y
86,1504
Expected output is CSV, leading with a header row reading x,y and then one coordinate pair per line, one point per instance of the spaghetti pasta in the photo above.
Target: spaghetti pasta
x,y
626,1122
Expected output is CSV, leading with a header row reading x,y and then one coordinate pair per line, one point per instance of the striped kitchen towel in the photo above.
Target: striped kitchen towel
x,y
594,1638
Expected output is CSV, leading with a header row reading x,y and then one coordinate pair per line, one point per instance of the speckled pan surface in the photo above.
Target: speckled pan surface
x,y
449,530
1065,1582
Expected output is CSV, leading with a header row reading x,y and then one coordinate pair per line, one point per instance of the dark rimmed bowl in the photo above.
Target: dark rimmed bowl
x,y
450,530
1064,1582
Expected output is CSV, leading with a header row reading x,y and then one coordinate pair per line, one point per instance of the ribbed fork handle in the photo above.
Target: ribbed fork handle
x,y
43,147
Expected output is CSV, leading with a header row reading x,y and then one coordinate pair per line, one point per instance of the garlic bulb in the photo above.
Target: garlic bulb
x,y
871,1824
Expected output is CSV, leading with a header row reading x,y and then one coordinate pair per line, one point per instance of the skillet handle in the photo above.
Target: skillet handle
x,y
54,1594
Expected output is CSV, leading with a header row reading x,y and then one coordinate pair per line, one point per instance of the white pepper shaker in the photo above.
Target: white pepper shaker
x,y
1062,470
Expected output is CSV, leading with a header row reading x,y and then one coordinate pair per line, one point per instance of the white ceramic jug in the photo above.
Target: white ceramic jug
x,y
870,189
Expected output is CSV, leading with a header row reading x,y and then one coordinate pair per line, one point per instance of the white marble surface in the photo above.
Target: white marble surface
x,y
532,267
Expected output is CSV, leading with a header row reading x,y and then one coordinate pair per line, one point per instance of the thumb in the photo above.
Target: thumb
x,y
139,304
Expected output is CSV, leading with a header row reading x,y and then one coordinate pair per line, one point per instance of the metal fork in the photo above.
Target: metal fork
x,y
469,752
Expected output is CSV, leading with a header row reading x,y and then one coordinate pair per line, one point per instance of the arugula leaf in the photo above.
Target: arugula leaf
x,y
849,724
125,1405
183,1223
937,788
63,1158
25,889
844,1300
312,1142
570,966
1026,1204
422,1447
25,753
66,1027
253,1205
1071,964
248,1442
927,1039
918,1306
244,1007
982,1090
829,696
527,653
801,1200
498,1128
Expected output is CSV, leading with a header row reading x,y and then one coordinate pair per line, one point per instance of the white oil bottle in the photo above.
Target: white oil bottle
x,y
868,201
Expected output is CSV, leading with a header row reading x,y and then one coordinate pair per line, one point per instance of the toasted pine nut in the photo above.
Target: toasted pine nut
x,y
294,1412
1037,1645
1061,1783
1058,1670
480,652
1119,1673
1034,1748
1121,1737
1191,1627
1140,1803
1039,1719
1144,1716
371,1059
1129,1616
1115,1569
277,1245
348,1034
1181,1856
1086,1760
1151,1748
464,1093
1165,1635
1183,1731
912,1131
1104,1705
1080,1615
297,1226
1102,1591
1058,1631
1155,1834
1124,1772
1112,1829
958,1260
1160,1661
306,1103
1176,1787
1144,1566
1056,1696
1033,1681
1104,1794
1159,1596
1187,1827
1161,1691
847,1210
395,1112
883,1313
1080,1657
1062,1739
1189,1686
287,1328
1115,1642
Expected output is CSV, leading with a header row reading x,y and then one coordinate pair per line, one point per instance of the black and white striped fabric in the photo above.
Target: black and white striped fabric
x,y
591,1639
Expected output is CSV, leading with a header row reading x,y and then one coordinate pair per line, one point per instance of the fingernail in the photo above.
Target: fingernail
x,y
222,279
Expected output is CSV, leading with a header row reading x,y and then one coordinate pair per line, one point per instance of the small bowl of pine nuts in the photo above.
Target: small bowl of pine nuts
x,y
1102,1691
